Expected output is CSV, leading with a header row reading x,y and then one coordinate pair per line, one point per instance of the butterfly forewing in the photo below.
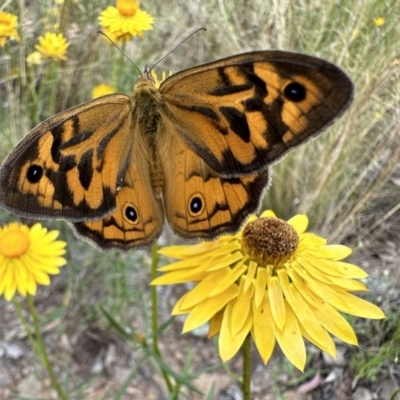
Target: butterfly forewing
x,y
69,166
243,113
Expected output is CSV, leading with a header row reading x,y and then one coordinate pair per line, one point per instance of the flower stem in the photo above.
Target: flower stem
x,y
40,349
246,381
154,312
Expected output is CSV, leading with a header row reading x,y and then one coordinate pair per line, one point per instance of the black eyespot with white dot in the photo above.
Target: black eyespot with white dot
x,y
34,173
131,214
196,205
295,92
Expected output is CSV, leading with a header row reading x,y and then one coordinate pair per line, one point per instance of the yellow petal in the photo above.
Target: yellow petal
x,y
330,251
263,329
349,285
309,239
332,321
241,307
205,310
268,214
329,347
202,290
350,270
251,272
40,277
178,309
276,301
224,261
301,309
260,285
299,223
290,340
324,271
361,307
215,324
233,276
230,344
194,275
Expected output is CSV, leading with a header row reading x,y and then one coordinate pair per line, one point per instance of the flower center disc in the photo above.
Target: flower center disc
x,y
270,240
127,7
14,244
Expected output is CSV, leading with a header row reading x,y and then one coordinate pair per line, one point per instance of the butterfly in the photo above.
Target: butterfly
x,y
195,151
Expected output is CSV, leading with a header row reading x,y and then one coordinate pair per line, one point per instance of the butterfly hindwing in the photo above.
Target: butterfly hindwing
x,y
244,112
198,202
69,166
138,218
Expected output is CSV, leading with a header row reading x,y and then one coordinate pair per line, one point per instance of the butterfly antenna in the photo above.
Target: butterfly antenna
x,y
183,41
104,34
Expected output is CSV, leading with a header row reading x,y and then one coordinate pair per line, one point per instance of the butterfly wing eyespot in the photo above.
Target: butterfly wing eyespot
x,y
34,173
131,214
242,113
196,204
295,92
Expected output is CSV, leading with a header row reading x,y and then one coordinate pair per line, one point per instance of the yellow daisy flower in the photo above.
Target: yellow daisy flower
x,y
102,90
34,58
125,20
53,45
8,24
272,280
27,257
378,22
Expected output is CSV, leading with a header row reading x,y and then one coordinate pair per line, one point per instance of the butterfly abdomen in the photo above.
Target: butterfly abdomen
x,y
146,112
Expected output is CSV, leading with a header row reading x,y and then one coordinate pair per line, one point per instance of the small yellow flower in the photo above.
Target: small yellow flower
x,y
125,20
379,21
53,45
274,281
34,58
27,257
8,24
102,90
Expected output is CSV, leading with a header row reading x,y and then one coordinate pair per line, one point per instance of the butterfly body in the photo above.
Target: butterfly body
x,y
195,151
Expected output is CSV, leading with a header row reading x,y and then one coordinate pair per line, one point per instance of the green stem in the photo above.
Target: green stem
x,y
246,381
53,69
25,324
40,349
154,312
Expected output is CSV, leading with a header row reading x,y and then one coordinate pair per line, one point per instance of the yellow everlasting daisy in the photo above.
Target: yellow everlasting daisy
x,y
27,257
274,281
8,25
34,58
102,90
379,21
125,20
53,45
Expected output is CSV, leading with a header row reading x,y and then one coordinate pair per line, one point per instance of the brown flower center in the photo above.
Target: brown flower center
x,y
269,240
14,244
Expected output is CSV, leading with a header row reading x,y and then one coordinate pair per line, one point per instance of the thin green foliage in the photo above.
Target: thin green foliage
x,y
384,350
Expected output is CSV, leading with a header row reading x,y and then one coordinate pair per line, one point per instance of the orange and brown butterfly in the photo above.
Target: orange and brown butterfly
x,y
195,151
